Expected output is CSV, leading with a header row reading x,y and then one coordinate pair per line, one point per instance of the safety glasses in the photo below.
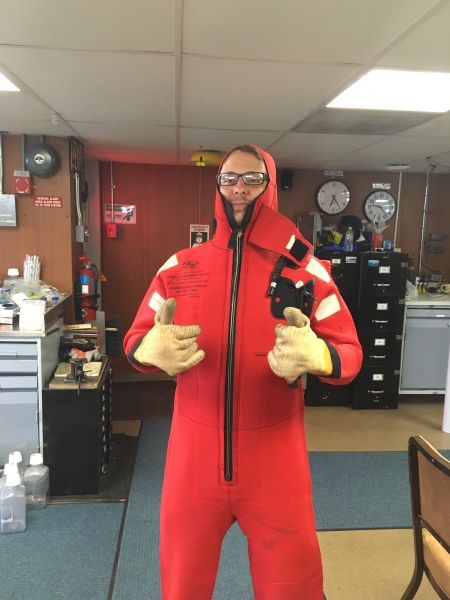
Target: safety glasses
x,y
248,178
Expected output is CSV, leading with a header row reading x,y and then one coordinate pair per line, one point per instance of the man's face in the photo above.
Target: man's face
x,y
241,195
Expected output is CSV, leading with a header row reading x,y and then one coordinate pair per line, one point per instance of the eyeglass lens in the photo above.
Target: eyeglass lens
x,y
247,178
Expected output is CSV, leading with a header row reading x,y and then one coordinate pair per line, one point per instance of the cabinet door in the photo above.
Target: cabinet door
x,y
19,428
425,353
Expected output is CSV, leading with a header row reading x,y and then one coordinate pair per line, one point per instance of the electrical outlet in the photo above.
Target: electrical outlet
x,y
436,277
437,237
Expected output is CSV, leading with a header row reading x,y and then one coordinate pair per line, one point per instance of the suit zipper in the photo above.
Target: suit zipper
x,y
228,423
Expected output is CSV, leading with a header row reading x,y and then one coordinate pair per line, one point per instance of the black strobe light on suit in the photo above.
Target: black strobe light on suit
x,y
287,180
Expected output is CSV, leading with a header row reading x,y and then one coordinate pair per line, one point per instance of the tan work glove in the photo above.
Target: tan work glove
x,y
297,349
172,348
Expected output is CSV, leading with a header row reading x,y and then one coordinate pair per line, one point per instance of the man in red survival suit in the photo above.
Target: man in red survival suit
x,y
237,449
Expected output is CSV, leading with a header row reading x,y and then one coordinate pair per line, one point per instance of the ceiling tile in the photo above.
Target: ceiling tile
x,y
253,95
98,86
318,147
35,127
439,126
427,47
360,122
223,139
21,105
137,25
107,137
320,31
401,149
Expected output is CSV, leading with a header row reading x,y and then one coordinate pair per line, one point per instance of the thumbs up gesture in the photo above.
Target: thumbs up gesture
x,y
172,348
297,349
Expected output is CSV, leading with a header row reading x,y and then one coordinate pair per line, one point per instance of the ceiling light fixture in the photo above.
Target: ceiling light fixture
x,y
397,167
6,85
383,89
204,157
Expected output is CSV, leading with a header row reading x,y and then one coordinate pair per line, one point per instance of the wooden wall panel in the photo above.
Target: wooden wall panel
x,y
47,232
438,221
170,198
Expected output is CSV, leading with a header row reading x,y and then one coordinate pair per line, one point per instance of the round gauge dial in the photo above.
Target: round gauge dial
x,y
332,197
379,206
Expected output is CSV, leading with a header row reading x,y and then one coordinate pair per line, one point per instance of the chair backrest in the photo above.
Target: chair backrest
x,y
430,499
433,481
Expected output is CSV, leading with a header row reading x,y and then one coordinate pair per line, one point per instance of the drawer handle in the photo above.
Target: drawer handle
x,y
377,356
376,391
382,284
375,321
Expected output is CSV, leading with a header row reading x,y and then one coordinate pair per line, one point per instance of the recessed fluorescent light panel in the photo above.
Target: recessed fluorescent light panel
x,y
383,89
6,85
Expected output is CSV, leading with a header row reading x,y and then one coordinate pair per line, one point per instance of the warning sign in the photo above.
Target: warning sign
x,y
125,214
199,234
48,201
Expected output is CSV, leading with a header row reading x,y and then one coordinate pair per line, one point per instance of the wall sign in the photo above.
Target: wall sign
x,y
125,214
198,235
48,201
381,186
334,173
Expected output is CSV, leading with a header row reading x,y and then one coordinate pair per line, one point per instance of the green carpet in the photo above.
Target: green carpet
x,y
66,553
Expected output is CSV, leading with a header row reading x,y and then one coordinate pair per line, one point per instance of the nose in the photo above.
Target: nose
x,y
240,187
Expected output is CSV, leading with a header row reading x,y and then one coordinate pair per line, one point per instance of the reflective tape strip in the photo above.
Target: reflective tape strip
x,y
290,242
155,301
315,268
329,306
173,260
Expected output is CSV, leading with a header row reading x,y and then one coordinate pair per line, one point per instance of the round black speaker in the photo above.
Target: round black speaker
x,y
42,160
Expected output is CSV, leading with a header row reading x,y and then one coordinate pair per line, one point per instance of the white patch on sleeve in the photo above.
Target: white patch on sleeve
x,y
290,242
155,301
173,260
315,268
327,307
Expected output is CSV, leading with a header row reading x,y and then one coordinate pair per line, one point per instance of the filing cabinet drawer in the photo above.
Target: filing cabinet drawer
x,y
16,382
381,348
17,349
319,393
18,365
376,387
381,313
383,274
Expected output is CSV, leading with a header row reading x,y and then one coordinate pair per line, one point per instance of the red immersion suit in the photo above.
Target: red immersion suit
x,y
237,447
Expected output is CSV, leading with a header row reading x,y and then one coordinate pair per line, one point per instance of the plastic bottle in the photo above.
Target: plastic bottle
x,y
36,481
10,283
16,458
348,240
12,505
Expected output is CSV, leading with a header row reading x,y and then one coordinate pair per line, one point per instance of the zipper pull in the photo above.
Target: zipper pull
x,y
239,233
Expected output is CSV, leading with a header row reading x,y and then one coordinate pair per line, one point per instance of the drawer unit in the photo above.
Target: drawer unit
x,y
376,387
320,393
77,435
381,310
27,360
381,313
383,273
381,348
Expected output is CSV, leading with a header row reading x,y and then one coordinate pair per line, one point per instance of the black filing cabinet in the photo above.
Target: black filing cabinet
x,y
77,430
345,273
379,321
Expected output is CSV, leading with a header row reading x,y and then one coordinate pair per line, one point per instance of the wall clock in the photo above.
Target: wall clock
x,y
379,206
332,197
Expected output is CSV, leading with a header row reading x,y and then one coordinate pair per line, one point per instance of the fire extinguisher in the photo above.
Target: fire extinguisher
x,y
86,291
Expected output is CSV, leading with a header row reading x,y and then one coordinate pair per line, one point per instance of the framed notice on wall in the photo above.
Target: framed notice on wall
x,y
125,214
199,234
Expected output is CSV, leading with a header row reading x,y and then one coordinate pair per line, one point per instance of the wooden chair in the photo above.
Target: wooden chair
x,y
429,476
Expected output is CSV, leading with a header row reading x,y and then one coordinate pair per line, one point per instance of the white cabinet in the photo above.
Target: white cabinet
x,y
26,363
426,346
